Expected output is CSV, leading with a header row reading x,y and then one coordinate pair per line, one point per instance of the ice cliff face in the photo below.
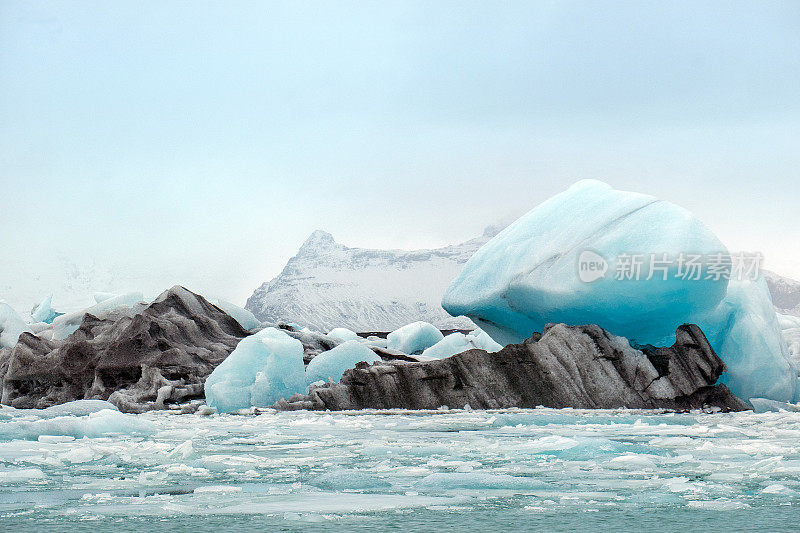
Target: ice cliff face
x,y
328,285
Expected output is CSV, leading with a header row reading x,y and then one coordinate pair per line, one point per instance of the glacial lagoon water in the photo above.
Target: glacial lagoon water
x,y
541,469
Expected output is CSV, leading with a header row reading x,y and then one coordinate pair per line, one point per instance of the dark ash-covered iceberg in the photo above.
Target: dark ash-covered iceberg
x,y
138,359
566,366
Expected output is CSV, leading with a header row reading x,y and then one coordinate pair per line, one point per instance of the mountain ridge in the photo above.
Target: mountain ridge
x,y
327,284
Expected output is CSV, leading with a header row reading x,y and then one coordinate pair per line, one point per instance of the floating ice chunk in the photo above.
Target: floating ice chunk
x,y
456,343
631,461
377,342
76,408
98,424
20,475
11,326
44,311
414,338
262,369
572,259
80,454
333,363
217,489
184,451
719,504
244,317
780,489
348,480
476,480
66,325
343,334
763,405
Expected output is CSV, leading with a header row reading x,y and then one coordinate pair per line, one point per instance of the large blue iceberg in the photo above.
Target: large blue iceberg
x,y
635,265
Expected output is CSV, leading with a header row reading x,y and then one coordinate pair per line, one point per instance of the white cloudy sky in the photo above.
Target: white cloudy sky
x,y
200,143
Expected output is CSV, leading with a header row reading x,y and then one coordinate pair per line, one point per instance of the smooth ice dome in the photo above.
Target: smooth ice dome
x,y
262,369
343,334
414,338
570,260
456,343
332,364
527,276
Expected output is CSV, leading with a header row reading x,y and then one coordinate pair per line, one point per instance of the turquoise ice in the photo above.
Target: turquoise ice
x,y
414,338
11,326
332,364
44,312
245,318
343,334
571,260
456,343
262,369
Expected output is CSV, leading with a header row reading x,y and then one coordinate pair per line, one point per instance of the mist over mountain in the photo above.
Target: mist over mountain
x,y
327,284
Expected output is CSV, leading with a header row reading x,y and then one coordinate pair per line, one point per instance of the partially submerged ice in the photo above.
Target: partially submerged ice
x,y
330,365
532,273
414,338
263,369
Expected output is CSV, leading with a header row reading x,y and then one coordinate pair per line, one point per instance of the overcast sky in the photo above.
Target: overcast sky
x,y
201,142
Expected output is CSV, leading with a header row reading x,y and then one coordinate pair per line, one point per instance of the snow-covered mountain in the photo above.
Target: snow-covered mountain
x,y
785,293
328,285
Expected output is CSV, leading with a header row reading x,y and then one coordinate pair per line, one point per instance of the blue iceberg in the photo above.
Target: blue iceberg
x,y
635,265
332,364
414,338
44,311
262,369
457,342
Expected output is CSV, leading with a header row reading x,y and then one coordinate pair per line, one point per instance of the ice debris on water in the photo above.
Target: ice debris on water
x,y
32,424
